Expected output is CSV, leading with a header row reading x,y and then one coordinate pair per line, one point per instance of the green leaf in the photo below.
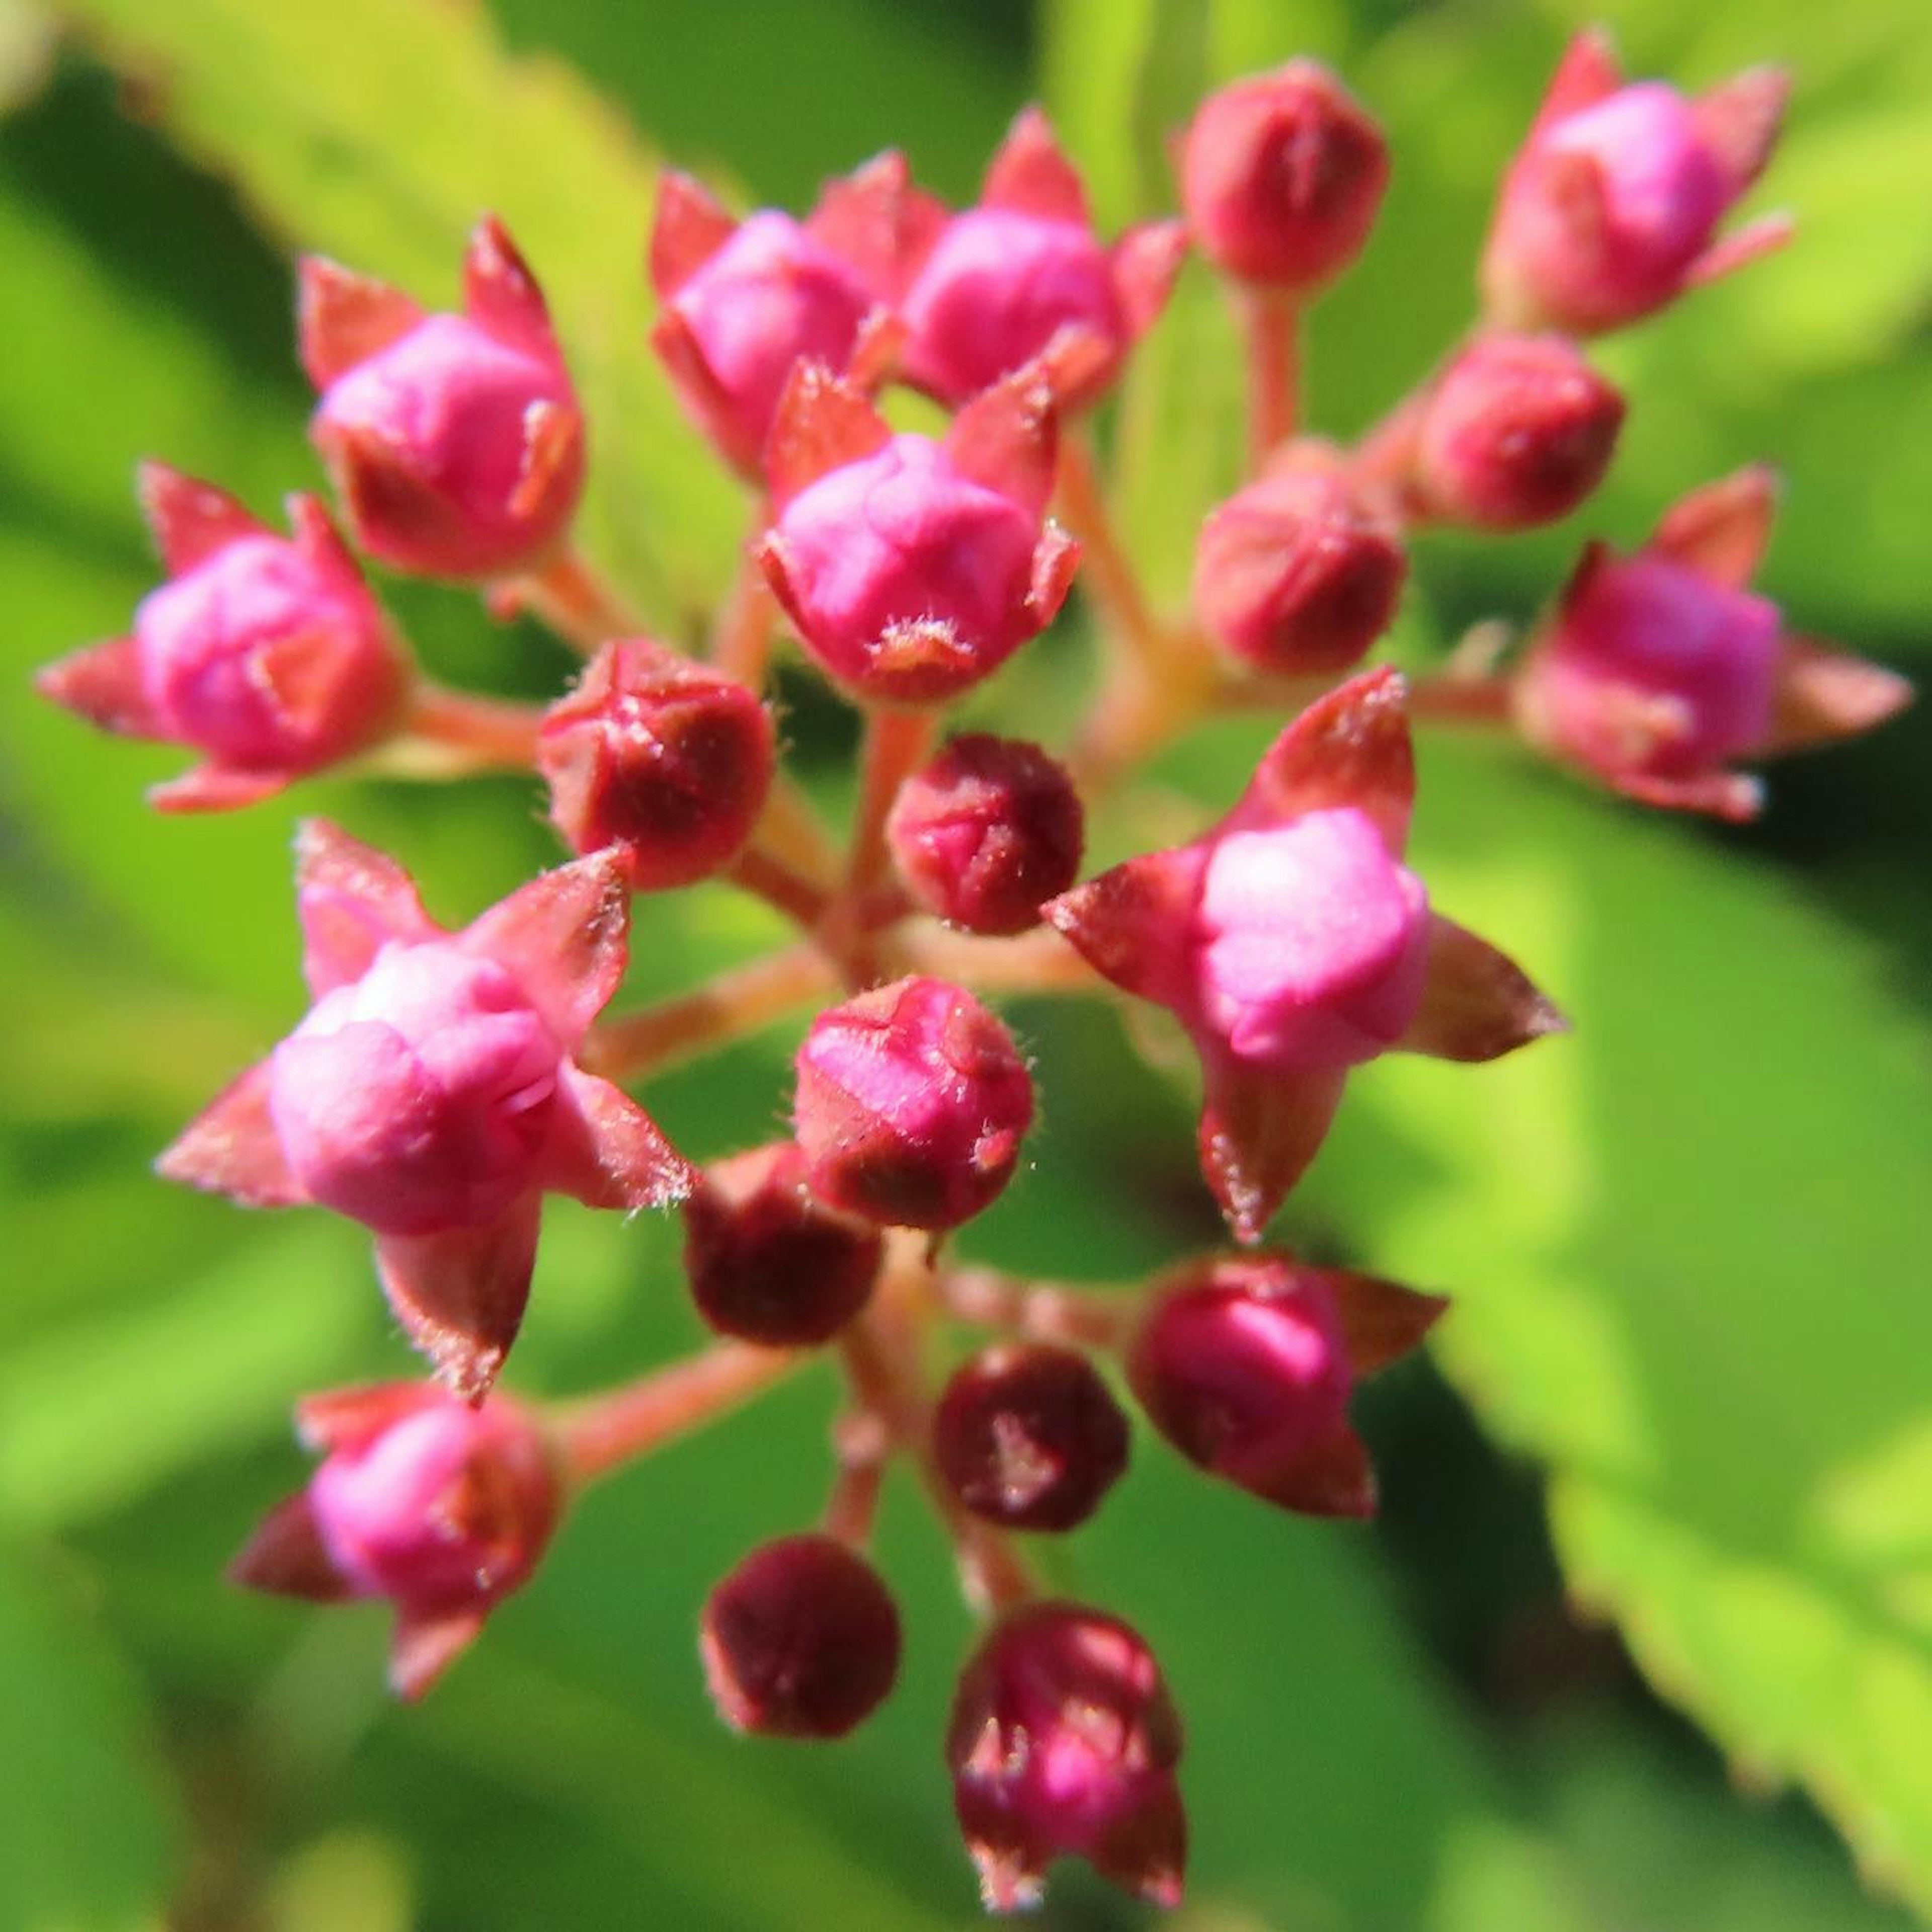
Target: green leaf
x,y
87,1842
1686,1246
378,131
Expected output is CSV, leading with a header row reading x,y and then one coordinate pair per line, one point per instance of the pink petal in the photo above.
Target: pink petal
x,y
191,520
1007,437
565,938
1722,530
1381,1321
343,318
1030,175
876,220
612,1153
103,684
688,228
352,900
345,1418
1145,261
217,788
1477,1002
820,424
1739,121
1733,251
427,1643
1131,924
287,1558
1823,694
460,1294
232,1148
500,292
1260,1129
1350,748
1587,73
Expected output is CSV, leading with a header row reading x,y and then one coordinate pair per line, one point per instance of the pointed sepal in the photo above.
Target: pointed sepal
x,y
1145,262
565,938
1332,1478
1131,924
427,1642
1381,1321
689,227
501,294
1823,694
1478,1004
1589,72
877,221
103,684
610,1152
286,1557
821,424
1007,438
352,900
1260,1129
233,1148
189,519
342,319
1742,247
1739,121
1722,530
1029,174
217,788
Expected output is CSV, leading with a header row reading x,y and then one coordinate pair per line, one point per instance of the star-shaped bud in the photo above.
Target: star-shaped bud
x,y
1247,1364
1293,943
1610,208
432,1093
1656,671
441,1507
268,654
913,568
999,285
1062,1743
455,441
743,302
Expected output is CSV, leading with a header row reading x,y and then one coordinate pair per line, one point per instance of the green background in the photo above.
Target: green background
x,y
1651,1597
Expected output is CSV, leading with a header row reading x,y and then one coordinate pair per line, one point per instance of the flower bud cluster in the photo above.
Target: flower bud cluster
x,y
445,1080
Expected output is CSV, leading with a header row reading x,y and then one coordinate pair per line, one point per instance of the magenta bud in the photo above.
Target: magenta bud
x,y
1296,574
1064,1742
1003,281
987,833
1244,1365
910,568
441,1507
912,1103
801,1640
1610,208
661,759
1029,1437
456,441
1518,431
1282,175
743,302
269,656
767,1261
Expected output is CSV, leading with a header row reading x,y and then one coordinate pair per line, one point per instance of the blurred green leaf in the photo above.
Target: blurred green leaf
x,y
1687,1249
378,131
87,1843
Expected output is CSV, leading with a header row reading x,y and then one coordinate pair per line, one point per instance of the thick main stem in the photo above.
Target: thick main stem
x,y
603,1433
735,1003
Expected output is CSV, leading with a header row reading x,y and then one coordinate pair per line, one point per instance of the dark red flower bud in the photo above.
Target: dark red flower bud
x,y
1029,1437
1247,1365
1281,175
1295,573
912,1102
1063,1742
769,1263
1518,432
800,1641
664,760
987,833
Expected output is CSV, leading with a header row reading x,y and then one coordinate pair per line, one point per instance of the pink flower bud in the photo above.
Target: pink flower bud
x,y
1518,430
913,568
1002,281
743,302
1064,1742
1296,574
419,1097
912,1103
802,1640
1282,175
1608,211
433,1093
987,833
269,656
1312,943
455,440
661,759
767,1261
442,1508
1656,670
1029,1437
